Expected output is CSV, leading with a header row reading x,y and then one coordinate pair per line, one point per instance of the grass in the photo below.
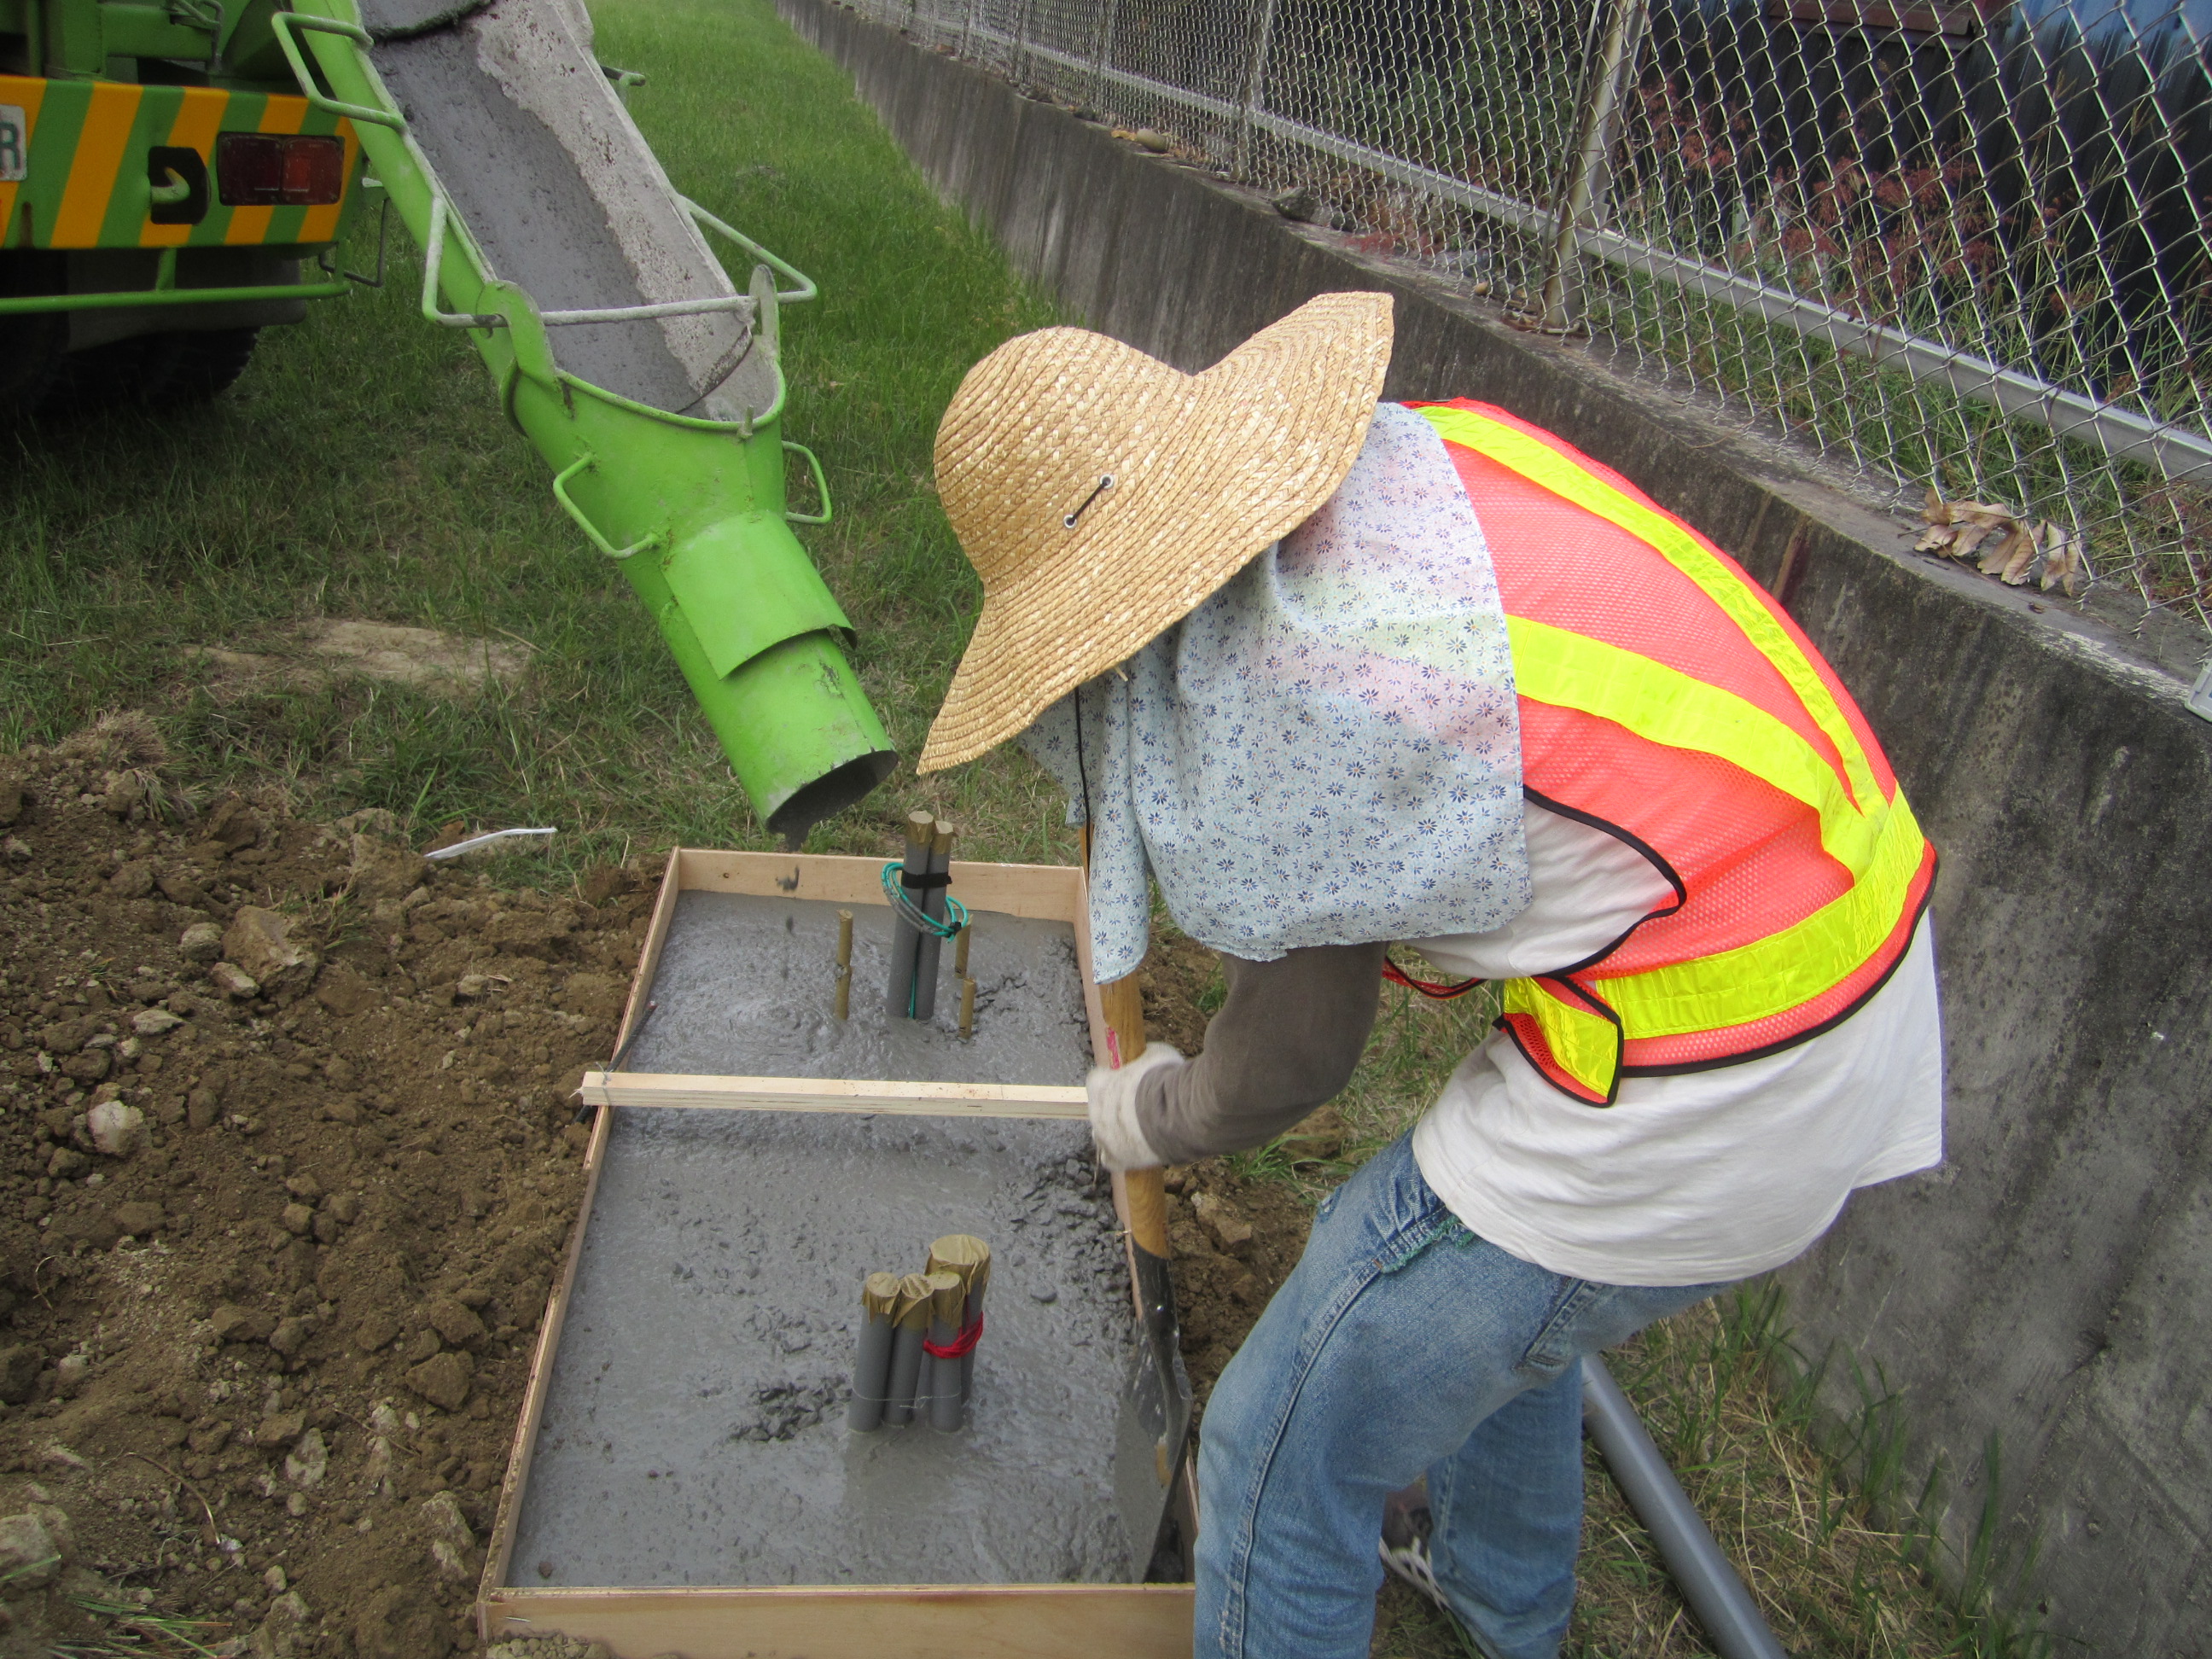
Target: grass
x,y
361,469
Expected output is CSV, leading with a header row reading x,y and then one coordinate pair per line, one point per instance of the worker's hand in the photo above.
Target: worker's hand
x,y
1122,1143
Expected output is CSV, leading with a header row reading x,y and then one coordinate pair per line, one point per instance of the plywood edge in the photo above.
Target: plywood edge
x,y
872,1621
1047,892
648,956
800,1094
1093,1006
517,1479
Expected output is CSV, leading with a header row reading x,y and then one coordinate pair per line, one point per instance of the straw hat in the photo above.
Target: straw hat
x,y
1206,470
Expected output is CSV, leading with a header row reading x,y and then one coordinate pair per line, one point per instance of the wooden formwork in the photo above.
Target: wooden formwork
x,y
803,1621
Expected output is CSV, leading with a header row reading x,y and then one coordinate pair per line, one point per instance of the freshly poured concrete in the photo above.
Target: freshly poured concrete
x,y
562,195
694,1427
744,988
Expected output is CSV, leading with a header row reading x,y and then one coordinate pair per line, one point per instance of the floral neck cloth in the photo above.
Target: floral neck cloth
x,y
1327,752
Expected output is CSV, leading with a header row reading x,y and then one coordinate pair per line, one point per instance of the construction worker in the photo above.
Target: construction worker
x,y
1334,676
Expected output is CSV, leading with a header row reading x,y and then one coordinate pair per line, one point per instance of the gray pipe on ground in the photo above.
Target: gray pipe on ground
x,y
1716,1596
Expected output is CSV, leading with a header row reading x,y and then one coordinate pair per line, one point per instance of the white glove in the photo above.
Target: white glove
x,y
1122,1143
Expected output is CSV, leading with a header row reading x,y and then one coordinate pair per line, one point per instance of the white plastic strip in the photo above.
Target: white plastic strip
x,y
484,840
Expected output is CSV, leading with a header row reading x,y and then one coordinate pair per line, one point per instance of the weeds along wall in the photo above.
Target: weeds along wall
x,y
2037,1301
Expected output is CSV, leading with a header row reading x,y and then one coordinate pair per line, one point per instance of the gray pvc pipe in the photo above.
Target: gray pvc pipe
x,y
945,1397
906,938
907,1358
929,947
1693,1559
871,1373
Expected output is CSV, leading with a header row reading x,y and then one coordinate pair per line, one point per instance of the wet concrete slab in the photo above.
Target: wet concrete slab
x,y
695,1429
744,988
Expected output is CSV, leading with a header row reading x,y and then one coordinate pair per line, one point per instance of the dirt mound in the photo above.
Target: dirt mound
x,y
286,1171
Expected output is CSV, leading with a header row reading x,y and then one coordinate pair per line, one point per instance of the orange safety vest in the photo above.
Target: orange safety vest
x,y
1666,699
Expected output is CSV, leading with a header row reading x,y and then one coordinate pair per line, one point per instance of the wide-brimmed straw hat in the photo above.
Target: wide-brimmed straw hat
x,y
1102,495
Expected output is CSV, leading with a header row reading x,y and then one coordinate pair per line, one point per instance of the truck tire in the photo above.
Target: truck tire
x,y
30,355
117,375
207,366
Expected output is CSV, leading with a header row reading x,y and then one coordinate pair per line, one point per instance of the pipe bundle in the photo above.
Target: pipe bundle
x,y
910,992
916,1356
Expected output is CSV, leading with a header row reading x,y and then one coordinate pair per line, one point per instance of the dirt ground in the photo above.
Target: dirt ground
x,y
287,1168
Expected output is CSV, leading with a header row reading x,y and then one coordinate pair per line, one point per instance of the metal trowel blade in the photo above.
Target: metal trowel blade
x,y
1155,1417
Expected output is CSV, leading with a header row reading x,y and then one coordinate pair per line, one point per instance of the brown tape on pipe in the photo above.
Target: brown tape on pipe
x,y
965,1255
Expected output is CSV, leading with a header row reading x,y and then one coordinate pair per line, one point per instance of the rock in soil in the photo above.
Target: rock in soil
x,y
280,1207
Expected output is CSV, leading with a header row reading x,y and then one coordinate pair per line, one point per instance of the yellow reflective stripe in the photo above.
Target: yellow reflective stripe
x,y
1773,975
1546,467
1664,705
1751,982
1584,1045
112,107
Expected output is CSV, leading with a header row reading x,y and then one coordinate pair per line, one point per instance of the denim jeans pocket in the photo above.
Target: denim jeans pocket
x,y
1555,1346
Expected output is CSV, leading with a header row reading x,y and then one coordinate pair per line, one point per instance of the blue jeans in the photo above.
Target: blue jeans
x,y
1401,1345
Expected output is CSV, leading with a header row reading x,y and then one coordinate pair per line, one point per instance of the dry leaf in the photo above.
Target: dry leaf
x,y
2062,559
2014,542
2008,561
1966,537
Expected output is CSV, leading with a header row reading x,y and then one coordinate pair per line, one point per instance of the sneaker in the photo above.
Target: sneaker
x,y
1404,1545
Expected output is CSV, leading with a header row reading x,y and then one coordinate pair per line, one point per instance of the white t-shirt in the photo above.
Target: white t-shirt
x,y
1687,1179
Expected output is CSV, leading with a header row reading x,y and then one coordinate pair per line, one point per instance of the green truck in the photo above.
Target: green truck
x,y
176,175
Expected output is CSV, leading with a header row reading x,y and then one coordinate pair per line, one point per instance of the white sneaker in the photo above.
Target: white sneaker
x,y
1404,1545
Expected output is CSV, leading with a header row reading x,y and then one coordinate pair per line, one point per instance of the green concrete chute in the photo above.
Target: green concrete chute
x,y
618,346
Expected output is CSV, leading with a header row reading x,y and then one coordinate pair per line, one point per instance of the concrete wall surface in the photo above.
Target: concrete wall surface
x,y
2042,1290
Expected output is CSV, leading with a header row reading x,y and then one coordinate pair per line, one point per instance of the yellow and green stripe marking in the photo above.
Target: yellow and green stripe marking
x,y
83,148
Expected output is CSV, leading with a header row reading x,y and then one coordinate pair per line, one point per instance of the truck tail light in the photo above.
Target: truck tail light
x,y
262,169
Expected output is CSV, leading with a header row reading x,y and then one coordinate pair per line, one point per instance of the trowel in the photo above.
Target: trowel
x,y
1154,1423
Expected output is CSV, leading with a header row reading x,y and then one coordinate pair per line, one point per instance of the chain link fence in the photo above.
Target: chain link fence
x,y
1964,246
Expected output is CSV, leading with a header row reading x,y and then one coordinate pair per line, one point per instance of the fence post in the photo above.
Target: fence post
x,y
1256,88
1022,47
1102,52
1582,205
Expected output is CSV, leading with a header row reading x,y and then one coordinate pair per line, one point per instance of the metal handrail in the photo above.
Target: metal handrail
x,y
15,305
821,486
805,290
434,257
282,24
585,463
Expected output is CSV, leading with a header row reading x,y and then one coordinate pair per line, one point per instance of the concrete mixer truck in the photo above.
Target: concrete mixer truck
x,y
175,175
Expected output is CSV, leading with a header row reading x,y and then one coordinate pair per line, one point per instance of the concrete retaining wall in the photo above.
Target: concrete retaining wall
x,y
2042,1290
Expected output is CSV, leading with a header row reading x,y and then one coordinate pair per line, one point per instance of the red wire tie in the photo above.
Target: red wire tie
x,y
960,1346
1429,989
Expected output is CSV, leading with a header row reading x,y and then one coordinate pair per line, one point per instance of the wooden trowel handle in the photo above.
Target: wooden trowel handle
x,y
1144,1199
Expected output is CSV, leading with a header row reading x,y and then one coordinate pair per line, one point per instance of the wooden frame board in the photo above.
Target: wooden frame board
x,y
884,1621
1044,893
